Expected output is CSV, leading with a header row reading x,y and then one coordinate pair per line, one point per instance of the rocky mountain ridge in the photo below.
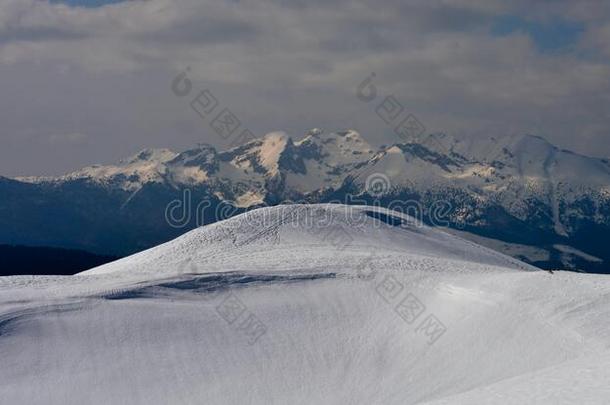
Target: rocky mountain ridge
x,y
522,191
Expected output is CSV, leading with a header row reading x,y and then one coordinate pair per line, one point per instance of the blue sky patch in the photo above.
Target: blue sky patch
x,y
87,3
550,36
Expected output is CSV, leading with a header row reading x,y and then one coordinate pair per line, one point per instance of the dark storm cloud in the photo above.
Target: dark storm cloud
x,y
103,73
204,31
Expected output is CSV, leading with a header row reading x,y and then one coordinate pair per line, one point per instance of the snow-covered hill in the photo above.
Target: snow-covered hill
x,y
307,304
523,191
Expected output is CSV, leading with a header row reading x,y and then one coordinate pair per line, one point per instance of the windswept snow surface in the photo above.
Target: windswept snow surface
x,y
307,304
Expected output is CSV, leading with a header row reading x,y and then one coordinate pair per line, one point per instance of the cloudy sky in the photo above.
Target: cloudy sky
x,y
89,81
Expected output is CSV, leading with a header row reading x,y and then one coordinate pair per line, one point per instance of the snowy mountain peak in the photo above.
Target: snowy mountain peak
x,y
525,181
504,171
150,155
271,149
204,155
322,160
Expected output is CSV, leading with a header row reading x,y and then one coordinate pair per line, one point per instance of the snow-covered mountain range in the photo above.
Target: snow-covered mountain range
x,y
308,304
522,195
